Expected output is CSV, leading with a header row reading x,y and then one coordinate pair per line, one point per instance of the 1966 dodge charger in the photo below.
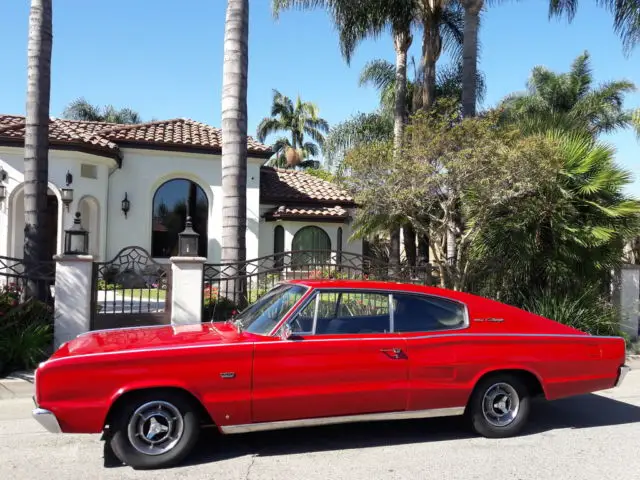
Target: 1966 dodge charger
x,y
314,353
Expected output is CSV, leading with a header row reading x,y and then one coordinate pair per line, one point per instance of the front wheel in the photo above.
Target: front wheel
x,y
499,406
155,430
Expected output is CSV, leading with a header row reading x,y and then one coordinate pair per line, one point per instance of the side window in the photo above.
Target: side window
x,y
354,312
344,313
417,313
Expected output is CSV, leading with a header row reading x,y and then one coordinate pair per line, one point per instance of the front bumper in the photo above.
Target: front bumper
x,y
47,419
622,372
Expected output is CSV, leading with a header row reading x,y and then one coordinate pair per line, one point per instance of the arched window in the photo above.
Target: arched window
x,y
278,245
307,239
171,202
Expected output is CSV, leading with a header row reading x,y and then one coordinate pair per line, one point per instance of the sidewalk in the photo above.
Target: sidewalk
x,y
17,385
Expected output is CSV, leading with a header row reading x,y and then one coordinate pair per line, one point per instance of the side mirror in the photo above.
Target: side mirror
x,y
286,332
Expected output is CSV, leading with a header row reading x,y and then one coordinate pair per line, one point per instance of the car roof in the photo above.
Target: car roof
x,y
379,285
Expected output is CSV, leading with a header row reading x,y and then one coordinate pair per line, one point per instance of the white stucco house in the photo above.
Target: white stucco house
x,y
164,168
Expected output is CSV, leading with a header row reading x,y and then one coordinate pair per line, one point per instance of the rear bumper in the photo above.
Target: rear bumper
x,y
622,372
47,419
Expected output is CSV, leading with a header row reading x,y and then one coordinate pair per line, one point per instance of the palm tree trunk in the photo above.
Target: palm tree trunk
x,y
409,237
401,42
431,46
470,55
234,145
394,252
36,143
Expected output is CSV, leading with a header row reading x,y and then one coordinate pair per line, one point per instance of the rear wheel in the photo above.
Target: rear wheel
x,y
499,406
155,429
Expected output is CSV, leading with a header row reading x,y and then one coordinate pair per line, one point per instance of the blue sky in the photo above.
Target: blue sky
x,y
164,58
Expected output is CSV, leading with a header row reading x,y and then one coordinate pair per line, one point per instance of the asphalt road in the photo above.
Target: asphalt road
x,y
590,437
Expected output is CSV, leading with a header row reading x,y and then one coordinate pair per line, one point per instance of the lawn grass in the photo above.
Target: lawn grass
x,y
143,293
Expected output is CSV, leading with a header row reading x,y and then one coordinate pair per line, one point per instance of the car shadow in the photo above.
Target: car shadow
x,y
584,411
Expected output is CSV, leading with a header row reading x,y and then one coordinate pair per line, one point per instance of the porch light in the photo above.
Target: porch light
x,y
126,205
67,196
67,192
76,238
188,241
3,189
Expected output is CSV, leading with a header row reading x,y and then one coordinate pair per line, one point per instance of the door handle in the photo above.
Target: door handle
x,y
392,352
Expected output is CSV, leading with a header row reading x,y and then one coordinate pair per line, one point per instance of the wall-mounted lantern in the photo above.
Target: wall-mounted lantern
x,y
76,238
67,192
126,205
3,189
188,241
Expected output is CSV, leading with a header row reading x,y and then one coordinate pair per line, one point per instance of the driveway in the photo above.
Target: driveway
x,y
587,438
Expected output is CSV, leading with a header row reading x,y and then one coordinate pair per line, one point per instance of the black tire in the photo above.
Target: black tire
x,y
499,427
171,403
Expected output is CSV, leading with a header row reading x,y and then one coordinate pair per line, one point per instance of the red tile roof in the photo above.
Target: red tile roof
x,y
178,134
308,213
298,188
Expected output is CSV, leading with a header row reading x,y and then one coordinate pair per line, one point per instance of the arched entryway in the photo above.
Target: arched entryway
x,y
16,223
89,209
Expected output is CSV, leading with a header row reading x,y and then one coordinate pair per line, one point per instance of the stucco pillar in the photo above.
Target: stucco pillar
x,y
72,311
626,296
186,289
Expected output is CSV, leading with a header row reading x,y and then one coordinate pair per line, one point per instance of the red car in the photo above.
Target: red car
x,y
316,353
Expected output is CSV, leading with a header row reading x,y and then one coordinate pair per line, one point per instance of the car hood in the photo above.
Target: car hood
x,y
144,338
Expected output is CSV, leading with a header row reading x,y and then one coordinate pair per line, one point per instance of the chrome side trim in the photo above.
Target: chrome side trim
x,y
47,419
622,372
369,417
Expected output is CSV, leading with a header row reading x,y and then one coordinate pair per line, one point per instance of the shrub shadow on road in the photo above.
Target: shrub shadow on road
x,y
585,411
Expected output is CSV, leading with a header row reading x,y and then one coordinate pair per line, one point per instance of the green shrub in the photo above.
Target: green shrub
x,y
588,312
218,309
26,331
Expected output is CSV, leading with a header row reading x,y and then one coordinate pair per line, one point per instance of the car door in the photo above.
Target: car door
x,y
342,359
431,326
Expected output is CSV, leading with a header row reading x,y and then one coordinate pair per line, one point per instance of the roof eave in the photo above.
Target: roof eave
x,y
113,154
176,147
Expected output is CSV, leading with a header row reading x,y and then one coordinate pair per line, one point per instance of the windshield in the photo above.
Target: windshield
x,y
263,315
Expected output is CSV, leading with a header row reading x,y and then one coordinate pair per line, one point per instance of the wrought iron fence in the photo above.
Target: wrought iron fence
x,y
229,286
15,273
131,289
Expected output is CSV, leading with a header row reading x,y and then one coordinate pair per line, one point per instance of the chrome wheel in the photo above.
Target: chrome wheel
x,y
155,428
500,404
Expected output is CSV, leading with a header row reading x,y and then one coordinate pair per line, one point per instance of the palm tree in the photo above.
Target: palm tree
x,y
568,234
299,119
80,109
36,142
626,17
380,74
356,21
442,29
234,139
570,101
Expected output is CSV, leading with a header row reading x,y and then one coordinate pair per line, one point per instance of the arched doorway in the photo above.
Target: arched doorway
x,y
16,223
89,209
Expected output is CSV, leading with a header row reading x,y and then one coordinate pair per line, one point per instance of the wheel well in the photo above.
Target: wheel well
x,y
531,381
203,414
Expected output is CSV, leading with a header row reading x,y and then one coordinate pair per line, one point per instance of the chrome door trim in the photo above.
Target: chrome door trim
x,y
368,417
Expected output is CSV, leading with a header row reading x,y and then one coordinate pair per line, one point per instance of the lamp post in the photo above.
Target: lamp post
x,y
188,241
76,238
